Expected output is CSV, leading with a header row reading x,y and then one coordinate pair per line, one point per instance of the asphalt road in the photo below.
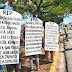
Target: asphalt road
x,y
68,51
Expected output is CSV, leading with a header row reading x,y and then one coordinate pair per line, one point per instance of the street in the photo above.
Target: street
x,y
68,51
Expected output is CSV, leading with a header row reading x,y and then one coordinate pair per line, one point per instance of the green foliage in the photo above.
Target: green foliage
x,y
19,9
5,70
46,3
46,10
21,53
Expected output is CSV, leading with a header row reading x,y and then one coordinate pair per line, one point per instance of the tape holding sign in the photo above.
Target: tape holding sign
x,y
10,26
33,36
51,36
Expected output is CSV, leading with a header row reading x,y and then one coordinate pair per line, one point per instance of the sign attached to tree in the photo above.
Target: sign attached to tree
x,y
51,36
10,25
33,36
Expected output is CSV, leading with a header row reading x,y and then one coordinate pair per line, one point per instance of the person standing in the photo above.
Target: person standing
x,y
66,32
17,67
31,56
31,62
47,53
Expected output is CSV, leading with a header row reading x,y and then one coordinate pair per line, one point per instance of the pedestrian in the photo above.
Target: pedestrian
x,y
17,67
60,30
47,56
31,62
47,53
66,32
31,56
21,44
52,56
10,67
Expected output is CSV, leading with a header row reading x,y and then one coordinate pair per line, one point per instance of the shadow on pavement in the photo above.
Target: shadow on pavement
x,y
68,49
69,33
69,37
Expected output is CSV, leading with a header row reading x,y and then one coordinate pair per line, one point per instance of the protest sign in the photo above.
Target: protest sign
x,y
51,36
33,36
10,25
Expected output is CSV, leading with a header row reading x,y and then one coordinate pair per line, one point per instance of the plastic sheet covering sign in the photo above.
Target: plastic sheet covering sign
x,y
33,36
51,36
10,25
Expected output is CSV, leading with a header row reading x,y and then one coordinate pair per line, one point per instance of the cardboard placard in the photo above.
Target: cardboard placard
x,y
33,36
10,25
51,36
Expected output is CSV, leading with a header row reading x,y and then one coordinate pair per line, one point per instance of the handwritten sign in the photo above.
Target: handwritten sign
x,y
33,36
51,36
10,25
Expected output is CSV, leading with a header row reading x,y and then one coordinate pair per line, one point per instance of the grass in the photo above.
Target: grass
x,y
48,67
5,70
21,53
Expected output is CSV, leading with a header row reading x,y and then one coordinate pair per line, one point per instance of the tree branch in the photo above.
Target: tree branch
x,y
40,2
49,10
30,10
47,5
35,3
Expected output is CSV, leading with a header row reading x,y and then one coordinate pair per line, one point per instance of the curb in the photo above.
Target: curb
x,y
53,67
65,58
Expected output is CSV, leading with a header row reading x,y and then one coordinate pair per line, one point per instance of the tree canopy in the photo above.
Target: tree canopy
x,y
46,10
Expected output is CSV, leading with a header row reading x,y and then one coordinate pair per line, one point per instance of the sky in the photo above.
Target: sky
x,y
67,20
24,21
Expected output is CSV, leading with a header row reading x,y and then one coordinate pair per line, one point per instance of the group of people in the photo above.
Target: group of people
x,y
47,53
17,67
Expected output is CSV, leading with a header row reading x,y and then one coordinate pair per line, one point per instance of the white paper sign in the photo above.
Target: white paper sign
x,y
10,25
33,36
51,36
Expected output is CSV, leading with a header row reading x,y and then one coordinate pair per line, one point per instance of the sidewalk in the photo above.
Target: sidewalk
x,y
61,66
68,53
